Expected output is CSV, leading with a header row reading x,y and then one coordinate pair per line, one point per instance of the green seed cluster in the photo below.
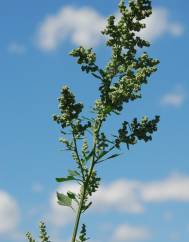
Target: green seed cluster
x,y
126,72
79,128
86,58
83,235
94,183
69,109
85,148
43,233
137,130
29,237
102,142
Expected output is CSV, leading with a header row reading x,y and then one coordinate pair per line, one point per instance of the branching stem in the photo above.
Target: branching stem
x,y
76,152
85,185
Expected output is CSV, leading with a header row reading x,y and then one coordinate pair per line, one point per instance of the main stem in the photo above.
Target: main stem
x,y
78,215
84,189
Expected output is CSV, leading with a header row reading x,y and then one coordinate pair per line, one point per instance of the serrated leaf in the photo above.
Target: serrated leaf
x,y
64,200
64,179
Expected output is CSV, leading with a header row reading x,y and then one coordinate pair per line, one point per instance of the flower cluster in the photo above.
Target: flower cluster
x,y
126,71
43,234
86,58
69,109
83,235
137,130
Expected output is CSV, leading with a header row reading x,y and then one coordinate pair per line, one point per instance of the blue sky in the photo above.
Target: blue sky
x,y
145,192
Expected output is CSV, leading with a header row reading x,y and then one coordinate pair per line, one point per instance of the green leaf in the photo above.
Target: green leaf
x,y
64,200
98,77
110,157
71,195
73,173
64,179
108,109
89,155
116,112
87,206
105,153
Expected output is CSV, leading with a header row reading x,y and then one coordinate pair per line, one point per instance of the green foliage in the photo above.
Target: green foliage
x,y
42,236
43,233
120,82
131,133
83,233
64,200
69,109
29,237
86,58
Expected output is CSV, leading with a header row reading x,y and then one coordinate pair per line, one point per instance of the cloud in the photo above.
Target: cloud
x,y
125,196
9,213
173,188
82,26
121,195
159,24
175,98
17,49
59,215
125,232
132,196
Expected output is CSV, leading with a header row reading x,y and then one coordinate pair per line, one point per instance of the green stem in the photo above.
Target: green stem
x,y
79,211
76,151
83,191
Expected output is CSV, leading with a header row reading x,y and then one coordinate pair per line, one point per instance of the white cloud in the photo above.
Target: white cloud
x,y
82,26
175,98
17,49
132,196
159,24
125,196
9,213
60,215
125,232
173,188
121,195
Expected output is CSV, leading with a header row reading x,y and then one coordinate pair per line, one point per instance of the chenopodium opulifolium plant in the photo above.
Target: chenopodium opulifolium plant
x,y
120,81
